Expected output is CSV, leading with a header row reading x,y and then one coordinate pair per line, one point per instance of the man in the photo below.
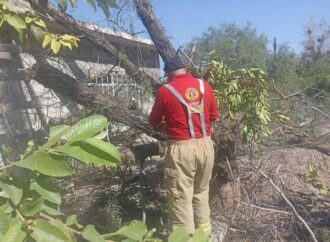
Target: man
x,y
187,107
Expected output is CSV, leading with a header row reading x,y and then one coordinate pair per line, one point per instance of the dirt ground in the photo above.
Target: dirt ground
x,y
261,214
258,213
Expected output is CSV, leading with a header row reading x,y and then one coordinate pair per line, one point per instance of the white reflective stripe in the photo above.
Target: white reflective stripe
x,y
201,86
202,118
178,96
201,115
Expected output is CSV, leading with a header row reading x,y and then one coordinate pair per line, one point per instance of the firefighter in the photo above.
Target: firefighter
x,y
186,106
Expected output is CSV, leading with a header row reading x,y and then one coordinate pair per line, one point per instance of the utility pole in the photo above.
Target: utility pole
x,y
274,45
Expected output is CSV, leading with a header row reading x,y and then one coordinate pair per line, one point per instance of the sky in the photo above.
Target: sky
x,y
186,19
283,19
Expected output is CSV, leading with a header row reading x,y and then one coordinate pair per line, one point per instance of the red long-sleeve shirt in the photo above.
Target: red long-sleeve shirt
x,y
168,108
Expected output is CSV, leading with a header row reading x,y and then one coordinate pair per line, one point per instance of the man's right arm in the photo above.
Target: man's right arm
x,y
158,110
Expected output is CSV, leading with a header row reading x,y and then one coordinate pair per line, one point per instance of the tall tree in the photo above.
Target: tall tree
x,y
237,47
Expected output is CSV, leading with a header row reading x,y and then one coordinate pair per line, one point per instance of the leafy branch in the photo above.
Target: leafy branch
x,y
30,26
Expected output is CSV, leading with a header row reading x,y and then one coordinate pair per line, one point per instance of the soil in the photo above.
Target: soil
x,y
257,211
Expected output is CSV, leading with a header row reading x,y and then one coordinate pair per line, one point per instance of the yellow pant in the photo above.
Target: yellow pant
x,y
188,170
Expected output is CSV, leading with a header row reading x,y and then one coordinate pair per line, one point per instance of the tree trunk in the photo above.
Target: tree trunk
x,y
155,29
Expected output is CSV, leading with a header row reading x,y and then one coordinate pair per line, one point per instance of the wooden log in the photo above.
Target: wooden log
x,y
155,29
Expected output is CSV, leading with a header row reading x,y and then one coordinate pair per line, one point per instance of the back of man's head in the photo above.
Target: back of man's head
x,y
174,65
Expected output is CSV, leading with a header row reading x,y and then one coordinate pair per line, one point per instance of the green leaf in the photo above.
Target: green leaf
x,y
28,19
40,23
46,232
1,20
31,208
63,4
66,44
55,45
85,128
129,240
46,190
136,230
52,211
38,33
55,133
6,5
72,220
68,233
46,164
16,21
92,4
7,207
12,188
4,222
90,234
106,147
14,233
27,163
51,165
178,235
47,39
82,154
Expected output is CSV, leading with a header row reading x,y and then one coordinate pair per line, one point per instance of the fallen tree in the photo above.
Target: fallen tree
x,y
66,85
80,29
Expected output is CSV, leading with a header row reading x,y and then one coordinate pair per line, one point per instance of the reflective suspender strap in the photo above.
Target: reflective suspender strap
x,y
201,115
180,98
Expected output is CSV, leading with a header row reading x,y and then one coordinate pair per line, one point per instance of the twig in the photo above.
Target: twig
x,y
282,96
5,167
313,107
288,202
264,208
322,135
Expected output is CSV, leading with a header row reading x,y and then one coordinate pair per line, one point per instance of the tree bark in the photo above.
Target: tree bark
x,y
155,29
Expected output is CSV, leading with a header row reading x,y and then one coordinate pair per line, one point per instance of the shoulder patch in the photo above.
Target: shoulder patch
x,y
192,94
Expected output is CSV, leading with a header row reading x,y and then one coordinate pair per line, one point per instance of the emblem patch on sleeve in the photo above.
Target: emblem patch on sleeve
x,y
192,94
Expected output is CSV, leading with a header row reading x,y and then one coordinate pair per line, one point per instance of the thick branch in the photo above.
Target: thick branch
x,y
155,29
60,82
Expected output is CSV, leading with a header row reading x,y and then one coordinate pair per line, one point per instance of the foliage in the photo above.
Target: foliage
x,y
311,177
235,46
30,26
282,68
317,75
30,202
244,94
